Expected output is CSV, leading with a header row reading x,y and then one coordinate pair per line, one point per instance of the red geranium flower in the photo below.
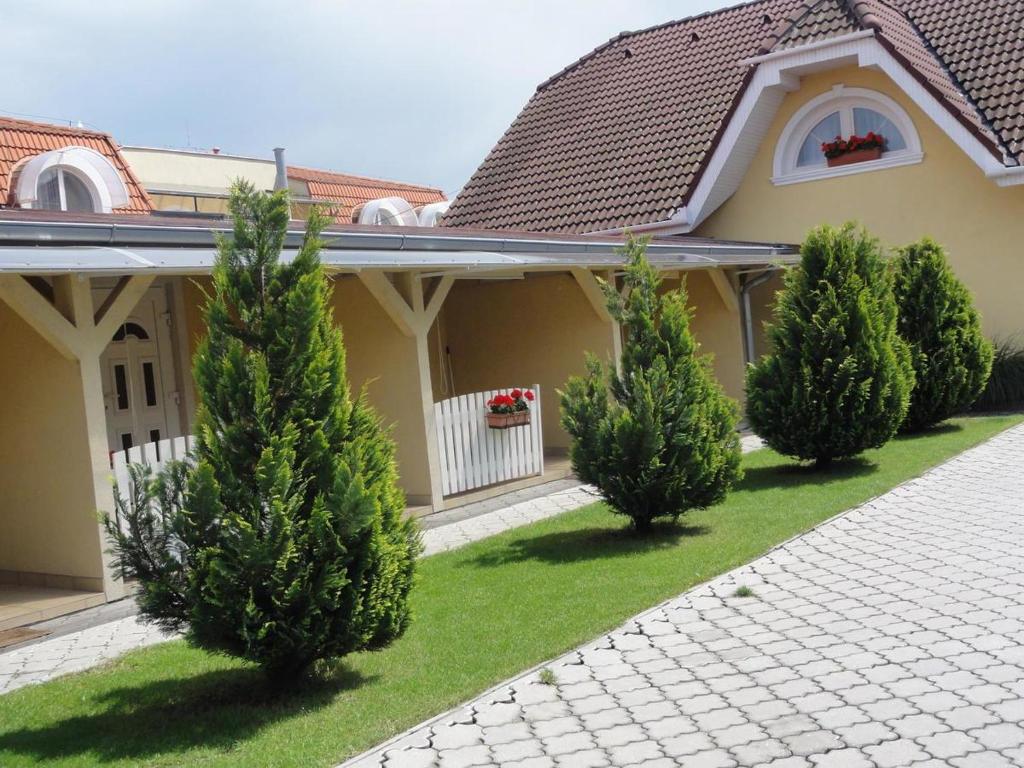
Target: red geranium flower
x,y
528,395
516,394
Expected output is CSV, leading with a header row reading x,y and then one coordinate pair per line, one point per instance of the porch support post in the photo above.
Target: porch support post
x,y
591,288
725,290
413,315
45,318
72,328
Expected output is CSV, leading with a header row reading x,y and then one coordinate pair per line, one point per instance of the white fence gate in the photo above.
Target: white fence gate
x,y
154,455
472,455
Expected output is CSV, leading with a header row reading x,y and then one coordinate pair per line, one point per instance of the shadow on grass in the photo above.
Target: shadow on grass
x,y
945,428
787,474
593,543
213,710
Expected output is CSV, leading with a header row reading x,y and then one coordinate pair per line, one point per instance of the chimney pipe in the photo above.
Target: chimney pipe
x,y
281,178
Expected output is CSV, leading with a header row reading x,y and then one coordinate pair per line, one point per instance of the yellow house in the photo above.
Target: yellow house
x,y
714,125
101,308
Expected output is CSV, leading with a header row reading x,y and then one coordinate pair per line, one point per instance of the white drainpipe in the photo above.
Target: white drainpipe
x,y
745,288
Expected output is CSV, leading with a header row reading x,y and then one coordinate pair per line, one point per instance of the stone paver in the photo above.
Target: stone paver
x,y
74,652
891,636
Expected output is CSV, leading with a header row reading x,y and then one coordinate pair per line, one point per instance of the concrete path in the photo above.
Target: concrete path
x,y
891,636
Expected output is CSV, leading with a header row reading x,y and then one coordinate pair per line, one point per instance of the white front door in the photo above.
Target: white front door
x,y
138,375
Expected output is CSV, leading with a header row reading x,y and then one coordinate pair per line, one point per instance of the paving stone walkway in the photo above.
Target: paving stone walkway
x,y
891,636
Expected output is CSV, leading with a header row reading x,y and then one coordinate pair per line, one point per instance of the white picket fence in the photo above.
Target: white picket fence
x,y
154,455
473,455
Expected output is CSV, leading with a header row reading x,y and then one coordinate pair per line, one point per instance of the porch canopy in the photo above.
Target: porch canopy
x,y
412,302
47,242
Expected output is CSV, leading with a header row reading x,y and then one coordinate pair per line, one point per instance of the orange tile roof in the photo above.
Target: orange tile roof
x,y
20,139
347,191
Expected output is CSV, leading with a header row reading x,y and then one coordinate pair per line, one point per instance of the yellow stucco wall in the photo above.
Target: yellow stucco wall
x,y
717,329
384,359
945,196
513,332
379,356
536,330
47,522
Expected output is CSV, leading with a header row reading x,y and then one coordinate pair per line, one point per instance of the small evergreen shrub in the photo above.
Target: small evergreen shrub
x,y
1005,388
285,543
659,437
937,318
838,378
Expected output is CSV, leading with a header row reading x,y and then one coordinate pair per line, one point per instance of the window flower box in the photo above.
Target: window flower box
x,y
506,420
509,410
856,149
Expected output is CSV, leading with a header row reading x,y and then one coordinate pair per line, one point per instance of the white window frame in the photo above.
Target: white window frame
x,y
94,198
843,100
106,187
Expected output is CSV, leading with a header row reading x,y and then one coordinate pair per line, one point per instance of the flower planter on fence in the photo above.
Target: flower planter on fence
x,y
856,156
506,420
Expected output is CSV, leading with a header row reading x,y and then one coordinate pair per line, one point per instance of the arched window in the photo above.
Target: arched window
x,y
70,179
843,112
385,211
59,189
130,328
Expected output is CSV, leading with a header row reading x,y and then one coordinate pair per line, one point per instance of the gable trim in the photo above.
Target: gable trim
x,y
777,73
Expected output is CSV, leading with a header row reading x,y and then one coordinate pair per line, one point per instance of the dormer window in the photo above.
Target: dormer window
x,y
70,179
843,112
59,189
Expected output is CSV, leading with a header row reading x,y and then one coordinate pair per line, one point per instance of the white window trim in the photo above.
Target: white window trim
x,y
62,170
841,99
100,177
395,207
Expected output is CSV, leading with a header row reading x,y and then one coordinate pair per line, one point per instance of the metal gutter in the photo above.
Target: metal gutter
x,y
121,234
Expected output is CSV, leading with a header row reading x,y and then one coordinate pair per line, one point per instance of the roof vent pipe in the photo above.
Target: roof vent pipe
x,y
281,177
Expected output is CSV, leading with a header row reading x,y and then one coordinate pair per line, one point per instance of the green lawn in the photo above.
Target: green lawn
x,y
482,614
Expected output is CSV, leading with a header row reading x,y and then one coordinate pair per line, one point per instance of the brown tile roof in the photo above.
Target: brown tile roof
x,y
21,139
621,136
346,191
812,22
982,45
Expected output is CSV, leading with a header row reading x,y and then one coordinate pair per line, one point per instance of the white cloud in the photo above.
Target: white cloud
x,y
412,89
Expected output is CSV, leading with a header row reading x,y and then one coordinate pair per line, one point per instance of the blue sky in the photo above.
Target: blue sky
x,y
417,90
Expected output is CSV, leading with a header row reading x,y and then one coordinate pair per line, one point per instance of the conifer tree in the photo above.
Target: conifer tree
x,y
286,539
838,378
952,358
658,437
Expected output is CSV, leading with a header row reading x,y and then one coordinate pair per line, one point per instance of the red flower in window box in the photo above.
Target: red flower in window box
x,y
856,149
509,410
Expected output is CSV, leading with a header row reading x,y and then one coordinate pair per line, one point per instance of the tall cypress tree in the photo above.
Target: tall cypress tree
x,y
952,358
658,437
838,379
288,545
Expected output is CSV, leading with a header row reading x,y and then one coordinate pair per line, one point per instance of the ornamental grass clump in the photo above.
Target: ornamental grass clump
x,y
284,544
838,378
1005,388
658,436
952,358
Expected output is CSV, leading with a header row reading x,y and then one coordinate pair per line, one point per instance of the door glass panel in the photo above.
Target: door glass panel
x,y
121,387
131,329
150,383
